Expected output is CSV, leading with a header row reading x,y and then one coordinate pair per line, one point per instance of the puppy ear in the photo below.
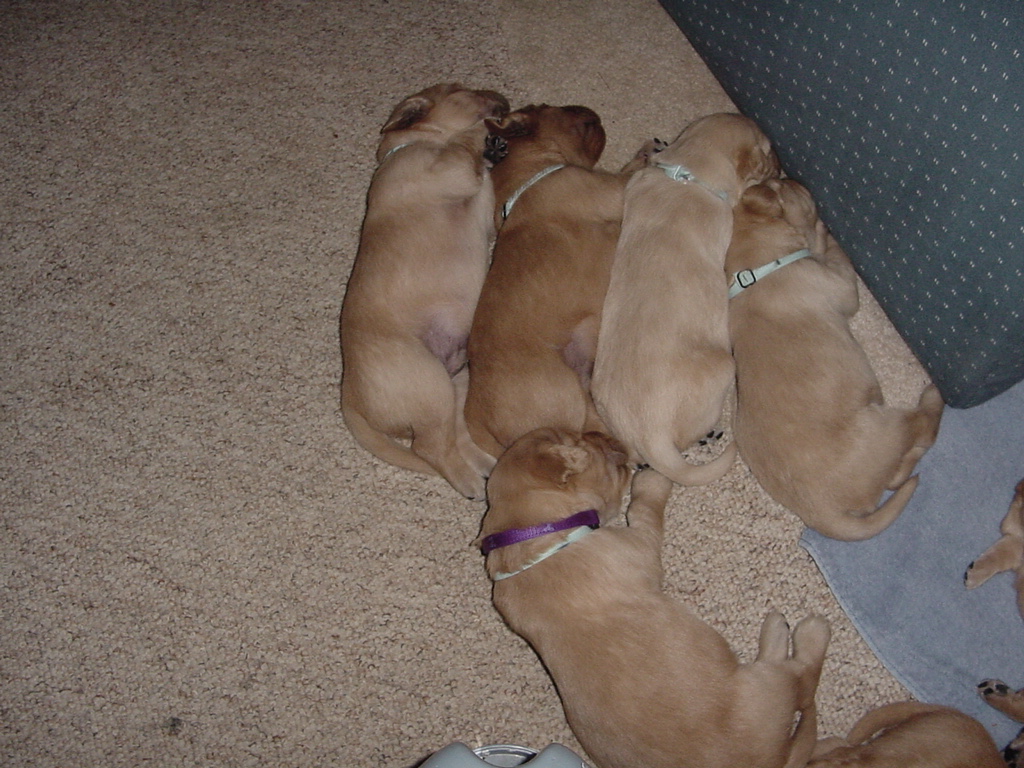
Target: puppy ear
x,y
408,113
499,104
756,163
511,126
763,200
560,462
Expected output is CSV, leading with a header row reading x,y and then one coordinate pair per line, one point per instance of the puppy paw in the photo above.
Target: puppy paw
x,y
991,689
644,154
710,437
495,149
1014,752
1003,698
974,577
773,644
810,640
651,488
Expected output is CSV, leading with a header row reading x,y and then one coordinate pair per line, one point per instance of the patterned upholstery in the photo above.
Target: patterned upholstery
x,y
905,119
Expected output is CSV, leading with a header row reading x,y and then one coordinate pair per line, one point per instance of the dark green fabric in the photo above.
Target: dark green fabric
x,y
906,121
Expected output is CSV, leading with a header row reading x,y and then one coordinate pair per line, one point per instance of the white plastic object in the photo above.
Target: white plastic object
x,y
458,755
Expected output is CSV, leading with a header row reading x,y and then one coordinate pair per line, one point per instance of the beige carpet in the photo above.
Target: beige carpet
x,y
199,566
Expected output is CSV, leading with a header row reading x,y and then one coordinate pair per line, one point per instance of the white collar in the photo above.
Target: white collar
x,y
747,277
576,535
506,209
682,173
392,151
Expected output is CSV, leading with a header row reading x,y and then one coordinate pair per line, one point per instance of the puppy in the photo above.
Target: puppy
x,y
911,735
810,421
664,366
999,695
414,285
531,348
643,681
1007,554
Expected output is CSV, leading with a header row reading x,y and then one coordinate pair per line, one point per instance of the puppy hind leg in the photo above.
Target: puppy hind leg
x,y
435,432
481,461
579,355
922,426
437,444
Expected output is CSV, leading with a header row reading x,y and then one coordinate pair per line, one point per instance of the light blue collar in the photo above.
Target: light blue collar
x,y
576,535
506,209
747,277
682,173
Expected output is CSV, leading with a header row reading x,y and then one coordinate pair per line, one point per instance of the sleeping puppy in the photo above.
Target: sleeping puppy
x,y
643,681
531,348
664,366
810,420
999,695
911,735
1007,554
417,275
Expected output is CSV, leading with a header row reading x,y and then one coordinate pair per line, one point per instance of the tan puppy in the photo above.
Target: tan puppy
x,y
664,365
415,283
643,681
532,345
1007,554
810,421
911,735
999,695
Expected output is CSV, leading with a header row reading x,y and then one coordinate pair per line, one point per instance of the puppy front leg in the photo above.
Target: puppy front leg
x,y
1002,697
646,512
1007,554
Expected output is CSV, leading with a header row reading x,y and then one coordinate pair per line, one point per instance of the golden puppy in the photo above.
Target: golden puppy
x,y
643,681
417,275
911,735
663,365
531,348
999,695
1007,554
810,421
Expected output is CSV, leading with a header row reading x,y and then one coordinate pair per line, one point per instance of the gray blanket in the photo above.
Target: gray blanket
x,y
904,589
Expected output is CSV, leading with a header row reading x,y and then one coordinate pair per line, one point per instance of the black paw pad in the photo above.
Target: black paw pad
x,y
993,688
495,149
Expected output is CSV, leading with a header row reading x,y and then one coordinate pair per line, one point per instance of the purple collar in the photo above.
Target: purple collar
x,y
588,518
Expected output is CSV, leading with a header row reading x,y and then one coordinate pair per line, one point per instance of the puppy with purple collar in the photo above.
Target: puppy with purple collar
x,y
643,680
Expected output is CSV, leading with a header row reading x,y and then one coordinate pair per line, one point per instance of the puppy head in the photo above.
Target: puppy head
x,y
572,134
447,108
551,473
735,149
762,229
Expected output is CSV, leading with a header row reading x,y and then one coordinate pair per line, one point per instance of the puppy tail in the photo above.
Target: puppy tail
x,y
888,716
669,462
382,446
854,526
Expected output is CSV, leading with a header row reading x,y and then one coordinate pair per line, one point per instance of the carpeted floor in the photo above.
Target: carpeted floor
x,y
199,566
